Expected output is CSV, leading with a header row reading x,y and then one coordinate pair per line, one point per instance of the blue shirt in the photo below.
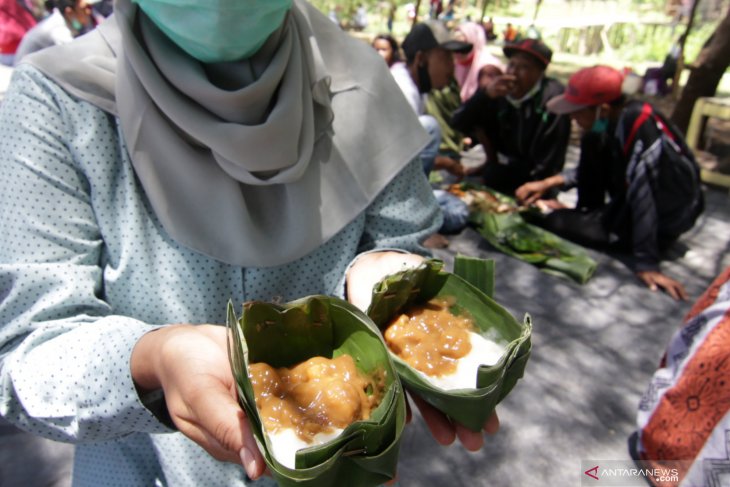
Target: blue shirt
x,y
86,269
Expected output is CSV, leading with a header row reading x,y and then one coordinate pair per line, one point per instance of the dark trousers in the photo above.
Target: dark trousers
x,y
595,222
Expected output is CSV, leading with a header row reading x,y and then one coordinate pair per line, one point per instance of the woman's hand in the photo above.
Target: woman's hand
x,y
656,280
190,364
445,431
370,268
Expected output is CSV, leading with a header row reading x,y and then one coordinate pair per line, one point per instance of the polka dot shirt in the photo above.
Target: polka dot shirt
x,y
86,269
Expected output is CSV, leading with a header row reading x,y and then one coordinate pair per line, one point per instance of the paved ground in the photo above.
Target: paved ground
x,y
594,349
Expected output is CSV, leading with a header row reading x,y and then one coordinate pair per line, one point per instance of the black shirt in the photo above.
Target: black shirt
x,y
533,139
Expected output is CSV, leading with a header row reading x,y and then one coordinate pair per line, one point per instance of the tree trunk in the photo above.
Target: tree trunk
x,y
415,17
711,64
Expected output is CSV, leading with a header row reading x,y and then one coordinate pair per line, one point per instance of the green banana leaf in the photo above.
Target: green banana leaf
x,y
470,407
512,235
366,452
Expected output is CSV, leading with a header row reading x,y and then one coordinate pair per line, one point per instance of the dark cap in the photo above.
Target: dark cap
x,y
429,35
534,47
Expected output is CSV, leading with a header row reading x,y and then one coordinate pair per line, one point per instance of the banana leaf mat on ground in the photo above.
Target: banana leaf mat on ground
x,y
498,219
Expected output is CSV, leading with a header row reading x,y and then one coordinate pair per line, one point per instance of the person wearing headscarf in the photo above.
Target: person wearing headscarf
x,y
468,66
167,162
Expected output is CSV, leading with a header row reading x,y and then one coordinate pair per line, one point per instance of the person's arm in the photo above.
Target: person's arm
x,y
548,151
532,191
403,215
66,358
644,219
58,335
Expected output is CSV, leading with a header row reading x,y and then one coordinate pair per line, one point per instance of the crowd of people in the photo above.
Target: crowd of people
x,y
164,174
637,181
28,26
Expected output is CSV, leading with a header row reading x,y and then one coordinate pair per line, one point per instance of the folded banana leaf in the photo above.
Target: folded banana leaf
x,y
509,233
468,283
366,452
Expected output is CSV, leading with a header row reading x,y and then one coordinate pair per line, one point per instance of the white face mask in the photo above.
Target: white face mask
x,y
217,30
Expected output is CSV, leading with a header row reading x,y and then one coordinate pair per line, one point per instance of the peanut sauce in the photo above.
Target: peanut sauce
x,y
430,338
314,396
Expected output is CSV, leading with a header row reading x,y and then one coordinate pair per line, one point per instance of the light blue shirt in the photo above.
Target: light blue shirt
x,y
86,269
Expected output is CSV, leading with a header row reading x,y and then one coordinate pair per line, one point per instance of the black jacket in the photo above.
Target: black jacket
x,y
529,136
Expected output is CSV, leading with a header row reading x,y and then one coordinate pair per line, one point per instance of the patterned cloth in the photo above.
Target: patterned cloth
x,y
86,269
684,415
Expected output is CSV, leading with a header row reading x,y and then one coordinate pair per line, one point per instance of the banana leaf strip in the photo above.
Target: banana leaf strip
x,y
366,452
499,220
470,407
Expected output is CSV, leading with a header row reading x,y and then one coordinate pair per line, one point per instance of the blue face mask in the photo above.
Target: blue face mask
x,y
215,31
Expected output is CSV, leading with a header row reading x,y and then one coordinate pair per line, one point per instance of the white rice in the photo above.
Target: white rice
x,y
483,352
285,443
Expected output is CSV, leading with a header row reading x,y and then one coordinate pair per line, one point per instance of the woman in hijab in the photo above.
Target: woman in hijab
x,y
164,173
467,66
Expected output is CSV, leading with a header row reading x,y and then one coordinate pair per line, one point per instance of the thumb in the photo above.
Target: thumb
x,y
226,430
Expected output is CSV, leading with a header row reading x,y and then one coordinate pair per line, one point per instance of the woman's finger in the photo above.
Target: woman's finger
x,y
472,441
491,426
439,425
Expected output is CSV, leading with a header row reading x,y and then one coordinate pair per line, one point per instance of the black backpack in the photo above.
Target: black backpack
x,y
678,193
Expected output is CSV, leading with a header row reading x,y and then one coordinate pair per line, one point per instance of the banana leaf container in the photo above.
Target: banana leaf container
x,y
366,452
513,235
472,284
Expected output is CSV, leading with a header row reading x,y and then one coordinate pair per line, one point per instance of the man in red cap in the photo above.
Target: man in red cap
x,y
631,153
522,140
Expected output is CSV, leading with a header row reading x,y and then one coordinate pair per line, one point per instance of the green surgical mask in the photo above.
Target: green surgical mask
x,y
214,31
600,125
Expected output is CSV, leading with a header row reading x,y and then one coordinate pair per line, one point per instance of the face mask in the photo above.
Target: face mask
x,y
600,125
424,79
217,30
80,28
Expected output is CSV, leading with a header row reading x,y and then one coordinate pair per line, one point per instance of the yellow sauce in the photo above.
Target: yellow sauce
x,y
314,396
430,338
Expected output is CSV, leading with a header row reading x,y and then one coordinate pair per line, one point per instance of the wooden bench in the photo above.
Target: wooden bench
x,y
708,107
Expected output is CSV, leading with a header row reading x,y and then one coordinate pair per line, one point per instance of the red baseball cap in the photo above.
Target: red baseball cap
x,y
588,87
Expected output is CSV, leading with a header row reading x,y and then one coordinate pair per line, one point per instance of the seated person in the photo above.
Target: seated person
x,y
631,153
441,105
69,19
429,65
683,415
522,140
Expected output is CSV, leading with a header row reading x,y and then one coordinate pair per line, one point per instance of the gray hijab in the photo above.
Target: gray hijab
x,y
255,163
